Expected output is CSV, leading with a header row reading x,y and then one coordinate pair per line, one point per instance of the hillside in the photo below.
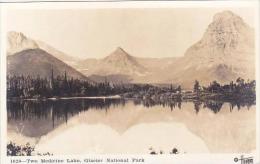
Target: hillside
x,y
36,62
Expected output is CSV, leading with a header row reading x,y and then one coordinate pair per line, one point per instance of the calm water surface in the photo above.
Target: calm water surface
x,y
132,126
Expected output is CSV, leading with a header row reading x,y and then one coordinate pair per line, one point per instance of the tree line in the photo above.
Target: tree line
x,y
62,86
238,89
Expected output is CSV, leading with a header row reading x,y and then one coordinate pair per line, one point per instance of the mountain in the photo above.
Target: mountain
x,y
36,62
18,42
119,62
225,52
121,67
70,60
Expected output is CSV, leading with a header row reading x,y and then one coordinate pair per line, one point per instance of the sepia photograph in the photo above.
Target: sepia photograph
x,y
130,80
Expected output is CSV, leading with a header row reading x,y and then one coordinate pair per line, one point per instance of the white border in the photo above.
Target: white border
x,y
132,4
189,158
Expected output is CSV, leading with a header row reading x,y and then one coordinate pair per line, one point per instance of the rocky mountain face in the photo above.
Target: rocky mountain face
x,y
36,62
225,52
17,42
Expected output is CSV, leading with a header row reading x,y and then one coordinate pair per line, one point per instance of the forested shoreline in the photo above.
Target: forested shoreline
x,y
28,87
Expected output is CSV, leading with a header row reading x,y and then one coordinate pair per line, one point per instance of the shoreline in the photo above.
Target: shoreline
x,y
68,98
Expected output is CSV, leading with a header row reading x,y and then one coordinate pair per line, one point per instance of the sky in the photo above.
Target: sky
x,y
95,33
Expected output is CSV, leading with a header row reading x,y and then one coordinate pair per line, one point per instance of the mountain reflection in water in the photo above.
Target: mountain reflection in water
x,y
35,119
63,109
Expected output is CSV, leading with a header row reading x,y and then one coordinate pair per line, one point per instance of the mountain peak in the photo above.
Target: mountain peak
x,y
120,51
17,42
225,52
120,62
118,54
225,15
226,34
16,34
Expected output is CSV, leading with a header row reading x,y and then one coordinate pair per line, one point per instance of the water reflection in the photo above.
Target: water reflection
x,y
119,117
64,109
56,110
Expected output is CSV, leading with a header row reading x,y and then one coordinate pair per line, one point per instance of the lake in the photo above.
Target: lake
x,y
132,126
